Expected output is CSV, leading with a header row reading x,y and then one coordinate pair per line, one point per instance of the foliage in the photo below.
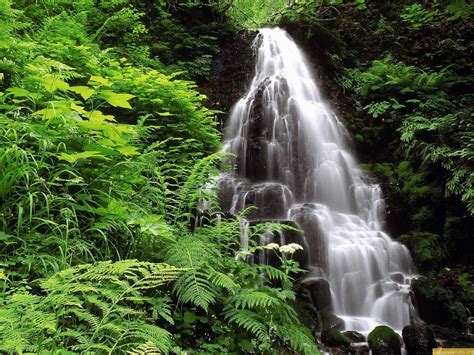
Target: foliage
x,y
444,297
311,12
422,108
254,14
104,307
417,16
111,236
167,35
427,250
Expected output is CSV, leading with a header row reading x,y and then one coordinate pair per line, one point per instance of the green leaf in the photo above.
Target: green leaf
x,y
246,345
129,150
72,158
84,91
98,116
117,100
99,80
77,108
20,92
189,317
51,83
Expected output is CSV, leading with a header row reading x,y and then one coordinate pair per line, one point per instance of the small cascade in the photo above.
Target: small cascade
x,y
293,163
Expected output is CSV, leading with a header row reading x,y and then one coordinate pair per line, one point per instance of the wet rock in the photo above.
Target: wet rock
x,y
398,277
418,338
353,349
333,337
359,349
318,286
356,337
306,219
229,186
384,341
271,200
331,321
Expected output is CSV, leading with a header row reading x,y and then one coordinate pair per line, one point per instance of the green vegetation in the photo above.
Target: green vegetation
x,y
106,154
254,14
107,151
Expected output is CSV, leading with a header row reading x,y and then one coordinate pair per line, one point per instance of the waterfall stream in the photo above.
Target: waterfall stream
x,y
293,163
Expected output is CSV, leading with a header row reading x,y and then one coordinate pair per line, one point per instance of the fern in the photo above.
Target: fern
x,y
90,308
249,321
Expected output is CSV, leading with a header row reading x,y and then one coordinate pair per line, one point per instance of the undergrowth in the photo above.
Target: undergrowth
x,y
105,159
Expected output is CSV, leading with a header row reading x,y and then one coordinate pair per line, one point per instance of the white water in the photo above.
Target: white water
x,y
293,162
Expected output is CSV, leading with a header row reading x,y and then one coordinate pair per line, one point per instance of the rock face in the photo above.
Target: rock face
x,y
232,70
418,338
318,288
384,341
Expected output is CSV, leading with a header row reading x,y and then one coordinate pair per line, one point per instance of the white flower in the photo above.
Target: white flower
x,y
290,248
271,246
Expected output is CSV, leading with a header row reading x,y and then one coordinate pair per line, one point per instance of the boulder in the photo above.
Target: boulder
x,y
418,338
384,341
333,337
318,287
356,337
330,321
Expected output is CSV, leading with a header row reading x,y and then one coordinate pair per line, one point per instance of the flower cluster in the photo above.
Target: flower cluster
x,y
285,249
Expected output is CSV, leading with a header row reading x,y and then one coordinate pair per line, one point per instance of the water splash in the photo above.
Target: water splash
x,y
293,163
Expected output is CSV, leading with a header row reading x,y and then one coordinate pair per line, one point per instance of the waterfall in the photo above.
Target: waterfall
x,y
293,163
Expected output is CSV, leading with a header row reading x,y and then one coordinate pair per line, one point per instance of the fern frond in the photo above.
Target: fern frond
x,y
145,349
298,337
249,321
249,299
194,287
222,280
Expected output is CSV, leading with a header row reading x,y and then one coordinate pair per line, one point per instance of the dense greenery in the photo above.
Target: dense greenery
x,y
110,231
106,157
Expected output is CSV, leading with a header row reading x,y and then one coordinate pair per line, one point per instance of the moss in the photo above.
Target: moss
x,y
384,340
333,337
426,248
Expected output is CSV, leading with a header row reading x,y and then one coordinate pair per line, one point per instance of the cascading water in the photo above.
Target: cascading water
x,y
293,163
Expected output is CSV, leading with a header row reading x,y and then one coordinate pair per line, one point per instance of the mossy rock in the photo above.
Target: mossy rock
x,y
333,337
384,341
330,321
